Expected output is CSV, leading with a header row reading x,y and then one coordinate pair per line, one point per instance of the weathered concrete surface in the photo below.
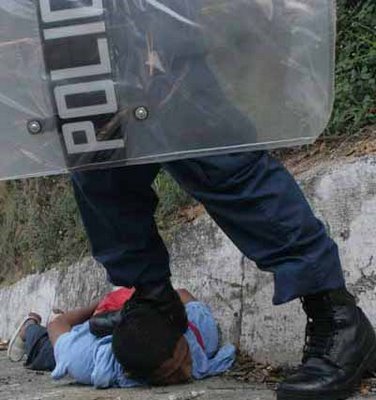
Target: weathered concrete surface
x,y
17,383
205,261
60,287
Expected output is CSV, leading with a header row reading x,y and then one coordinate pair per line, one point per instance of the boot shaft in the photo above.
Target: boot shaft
x,y
326,312
325,303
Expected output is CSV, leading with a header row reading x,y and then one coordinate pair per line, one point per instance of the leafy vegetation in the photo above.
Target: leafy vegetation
x,y
40,224
355,103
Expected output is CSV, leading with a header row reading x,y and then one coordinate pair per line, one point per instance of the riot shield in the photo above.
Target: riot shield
x,y
101,83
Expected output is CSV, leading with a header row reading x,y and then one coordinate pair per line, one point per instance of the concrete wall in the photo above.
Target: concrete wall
x,y
343,194
59,287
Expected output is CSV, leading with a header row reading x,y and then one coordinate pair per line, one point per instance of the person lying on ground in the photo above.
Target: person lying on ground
x,y
67,347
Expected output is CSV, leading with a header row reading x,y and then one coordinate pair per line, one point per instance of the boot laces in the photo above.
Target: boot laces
x,y
320,333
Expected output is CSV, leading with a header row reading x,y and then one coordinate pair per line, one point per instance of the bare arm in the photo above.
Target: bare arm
x,y
185,296
64,322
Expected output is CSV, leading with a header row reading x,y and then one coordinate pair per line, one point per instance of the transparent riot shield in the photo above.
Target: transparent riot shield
x,y
100,83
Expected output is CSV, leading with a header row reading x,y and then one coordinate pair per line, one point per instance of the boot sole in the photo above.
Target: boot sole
x,y
367,367
315,396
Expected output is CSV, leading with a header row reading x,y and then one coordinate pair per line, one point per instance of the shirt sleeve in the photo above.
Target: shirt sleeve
x,y
202,317
211,361
74,354
89,360
107,371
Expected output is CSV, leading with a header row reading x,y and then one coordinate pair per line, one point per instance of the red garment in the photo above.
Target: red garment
x,y
115,300
197,333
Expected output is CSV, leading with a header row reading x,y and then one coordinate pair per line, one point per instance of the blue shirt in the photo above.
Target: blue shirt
x,y
90,361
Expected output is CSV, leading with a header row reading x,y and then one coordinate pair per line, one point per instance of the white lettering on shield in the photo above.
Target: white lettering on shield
x,y
78,97
49,14
104,66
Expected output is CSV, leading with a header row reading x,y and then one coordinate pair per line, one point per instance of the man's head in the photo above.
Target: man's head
x,y
177,369
148,346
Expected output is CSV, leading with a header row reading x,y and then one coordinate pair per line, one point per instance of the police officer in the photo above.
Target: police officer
x,y
260,207
250,196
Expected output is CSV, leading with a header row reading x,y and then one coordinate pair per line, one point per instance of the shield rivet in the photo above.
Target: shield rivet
x,y
141,113
34,127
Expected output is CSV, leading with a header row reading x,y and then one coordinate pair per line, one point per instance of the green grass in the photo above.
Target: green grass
x,y
355,102
39,221
172,198
40,224
39,227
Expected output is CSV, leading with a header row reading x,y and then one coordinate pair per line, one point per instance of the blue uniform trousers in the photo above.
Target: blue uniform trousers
x,y
251,196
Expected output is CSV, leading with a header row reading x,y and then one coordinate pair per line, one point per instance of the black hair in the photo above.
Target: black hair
x,y
144,339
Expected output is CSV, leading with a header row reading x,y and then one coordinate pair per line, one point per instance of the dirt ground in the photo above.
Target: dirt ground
x,y
17,383
327,149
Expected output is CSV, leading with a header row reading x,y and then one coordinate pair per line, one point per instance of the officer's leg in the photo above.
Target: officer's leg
x,y
261,208
117,207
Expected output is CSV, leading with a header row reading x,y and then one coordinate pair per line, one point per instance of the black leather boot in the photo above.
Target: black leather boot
x,y
104,324
163,297
340,349
159,295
